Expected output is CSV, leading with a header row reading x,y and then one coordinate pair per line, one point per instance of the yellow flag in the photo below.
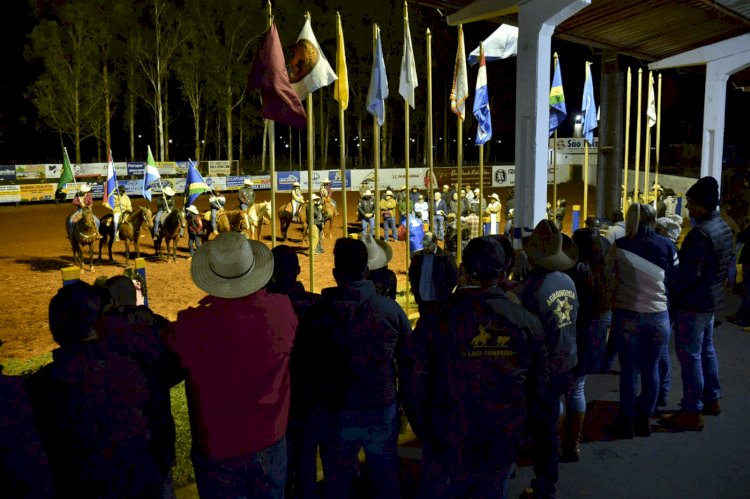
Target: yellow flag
x,y
341,86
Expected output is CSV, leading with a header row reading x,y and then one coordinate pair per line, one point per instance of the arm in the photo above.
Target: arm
x,y
692,256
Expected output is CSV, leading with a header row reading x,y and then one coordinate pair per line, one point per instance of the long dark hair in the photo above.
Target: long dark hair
x,y
589,273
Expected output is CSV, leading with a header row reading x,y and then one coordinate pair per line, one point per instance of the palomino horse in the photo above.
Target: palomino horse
x,y
226,220
258,214
84,234
129,230
286,217
329,213
169,230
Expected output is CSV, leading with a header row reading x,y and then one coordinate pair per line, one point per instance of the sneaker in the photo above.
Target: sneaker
x,y
712,408
683,420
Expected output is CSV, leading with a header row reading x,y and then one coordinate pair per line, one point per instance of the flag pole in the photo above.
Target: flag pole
x,y
554,152
638,135
407,154
481,156
647,149
430,164
585,213
310,159
658,139
272,156
627,142
342,145
460,155
376,140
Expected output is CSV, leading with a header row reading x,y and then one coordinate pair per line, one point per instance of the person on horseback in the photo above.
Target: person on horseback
x,y
326,193
122,205
195,229
164,204
297,200
82,199
246,195
217,202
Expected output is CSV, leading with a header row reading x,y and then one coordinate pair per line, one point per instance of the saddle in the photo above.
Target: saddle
x,y
76,216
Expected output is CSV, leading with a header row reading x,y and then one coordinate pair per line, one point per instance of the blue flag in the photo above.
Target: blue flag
x,y
110,185
557,110
378,91
588,107
194,184
482,103
150,175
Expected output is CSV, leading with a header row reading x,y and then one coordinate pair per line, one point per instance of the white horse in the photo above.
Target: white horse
x,y
258,215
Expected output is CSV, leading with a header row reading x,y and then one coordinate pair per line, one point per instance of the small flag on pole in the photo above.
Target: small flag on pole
x,y
408,81
501,44
651,109
280,101
150,175
557,110
588,107
110,185
460,90
482,103
194,184
309,68
341,87
378,90
66,176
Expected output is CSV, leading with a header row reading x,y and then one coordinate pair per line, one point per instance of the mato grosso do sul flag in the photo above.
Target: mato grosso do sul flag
x,y
309,69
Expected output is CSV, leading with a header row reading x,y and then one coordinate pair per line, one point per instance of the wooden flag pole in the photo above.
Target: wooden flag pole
x,y
407,256
638,136
376,139
658,140
272,155
459,167
310,161
430,165
628,86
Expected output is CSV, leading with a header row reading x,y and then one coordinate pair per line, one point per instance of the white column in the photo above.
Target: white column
x,y
536,23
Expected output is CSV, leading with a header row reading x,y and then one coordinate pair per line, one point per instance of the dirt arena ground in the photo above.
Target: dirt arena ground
x,y
33,249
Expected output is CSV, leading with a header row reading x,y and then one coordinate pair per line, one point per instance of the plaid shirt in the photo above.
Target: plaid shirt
x,y
472,223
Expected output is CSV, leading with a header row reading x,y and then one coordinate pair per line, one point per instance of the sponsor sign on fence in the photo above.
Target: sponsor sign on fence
x,y
7,172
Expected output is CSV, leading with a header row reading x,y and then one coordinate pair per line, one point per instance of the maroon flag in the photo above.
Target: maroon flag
x,y
280,101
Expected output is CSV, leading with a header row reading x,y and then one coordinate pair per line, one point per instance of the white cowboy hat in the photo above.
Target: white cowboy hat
x,y
549,248
379,253
368,192
326,181
168,191
248,181
495,196
403,187
192,209
446,187
315,196
389,193
231,266
296,184
85,188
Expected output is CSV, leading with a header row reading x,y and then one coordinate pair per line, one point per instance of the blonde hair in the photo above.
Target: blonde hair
x,y
639,215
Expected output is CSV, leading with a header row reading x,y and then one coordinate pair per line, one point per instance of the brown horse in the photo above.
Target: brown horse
x,y
286,217
169,230
258,214
329,213
84,234
226,220
128,230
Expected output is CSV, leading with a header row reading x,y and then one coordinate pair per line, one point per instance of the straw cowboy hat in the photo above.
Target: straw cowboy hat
x,y
248,181
549,248
368,192
85,188
192,209
379,253
231,266
389,193
495,196
296,184
326,181
168,191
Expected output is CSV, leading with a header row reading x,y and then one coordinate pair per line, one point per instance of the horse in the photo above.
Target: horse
x,y
169,230
226,220
258,214
286,217
329,213
128,230
84,234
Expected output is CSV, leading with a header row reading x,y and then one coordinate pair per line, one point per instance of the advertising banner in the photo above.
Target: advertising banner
x,y
216,168
469,176
7,172
135,168
38,192
90,170
10,193
30,171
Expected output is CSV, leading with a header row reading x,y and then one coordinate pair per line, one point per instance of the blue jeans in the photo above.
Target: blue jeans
x,y
157,220
576,400
194,241
389,222
441,479
665,374
345,432
368,222
694,340
70,222
640,338
440,227
258,475
214,211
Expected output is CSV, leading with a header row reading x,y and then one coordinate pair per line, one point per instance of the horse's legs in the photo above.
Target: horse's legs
x,y
91,256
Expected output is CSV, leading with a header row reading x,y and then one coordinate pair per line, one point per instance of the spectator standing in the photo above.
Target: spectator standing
x,y
235,347
469,379
493,210
195,229
378,255
366,212
422,209
699,292
388,213
317,226
472,223
348,348
441,210
432,276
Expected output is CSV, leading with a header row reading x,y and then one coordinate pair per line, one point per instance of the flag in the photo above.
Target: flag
x,y
460,89
588,107
408,81
378,90
651,109
150,175
309,68
341,87
194,184
280,101
66,176
482,103
110,185
501,44
557,110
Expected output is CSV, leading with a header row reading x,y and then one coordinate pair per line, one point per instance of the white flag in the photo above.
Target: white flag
x,y
651,110
408,81
460,90
309,68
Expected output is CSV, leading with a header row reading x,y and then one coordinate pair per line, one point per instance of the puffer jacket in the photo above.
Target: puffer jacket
x,y
704,261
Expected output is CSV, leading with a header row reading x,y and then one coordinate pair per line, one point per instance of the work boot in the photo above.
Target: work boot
x,y
571,451
683,420
712,408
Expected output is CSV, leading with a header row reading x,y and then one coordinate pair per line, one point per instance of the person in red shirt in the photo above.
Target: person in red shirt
x,y
235,347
